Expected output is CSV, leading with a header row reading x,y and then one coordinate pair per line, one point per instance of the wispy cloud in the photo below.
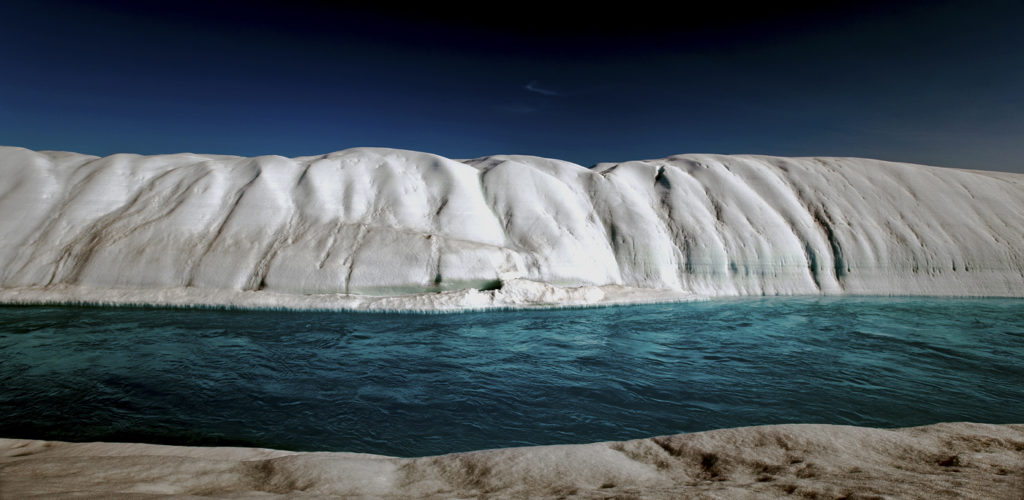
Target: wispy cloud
x,y
532,87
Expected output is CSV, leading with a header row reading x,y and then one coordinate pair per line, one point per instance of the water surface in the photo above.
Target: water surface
x,y
414,384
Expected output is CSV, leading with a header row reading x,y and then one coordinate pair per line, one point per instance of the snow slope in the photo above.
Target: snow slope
x,y
385,222
953,460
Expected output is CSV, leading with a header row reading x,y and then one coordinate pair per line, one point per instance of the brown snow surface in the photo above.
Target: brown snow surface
x,y
949,460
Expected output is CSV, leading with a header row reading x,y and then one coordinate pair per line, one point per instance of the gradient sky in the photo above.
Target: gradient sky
x,y
939,83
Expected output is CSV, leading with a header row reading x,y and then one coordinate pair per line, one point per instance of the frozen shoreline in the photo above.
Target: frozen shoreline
x,y
512,294
455,301
949,460
515,294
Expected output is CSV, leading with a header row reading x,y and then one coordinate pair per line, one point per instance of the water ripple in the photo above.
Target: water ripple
x,y
407,385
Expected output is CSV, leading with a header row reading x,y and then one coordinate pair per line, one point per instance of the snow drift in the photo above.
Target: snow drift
x,y
385,222
954,460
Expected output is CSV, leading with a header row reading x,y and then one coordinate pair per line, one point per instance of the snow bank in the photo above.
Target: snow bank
x,y
373,222
958,460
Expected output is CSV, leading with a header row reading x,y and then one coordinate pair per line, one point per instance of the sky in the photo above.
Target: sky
x,y
939,83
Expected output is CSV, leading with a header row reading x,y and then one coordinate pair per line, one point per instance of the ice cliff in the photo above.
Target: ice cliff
x,y
371,221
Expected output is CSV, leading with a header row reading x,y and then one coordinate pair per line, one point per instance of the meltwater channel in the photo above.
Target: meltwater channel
x,y
425,384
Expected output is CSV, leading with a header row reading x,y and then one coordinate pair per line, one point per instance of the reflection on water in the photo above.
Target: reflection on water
x,y
409,385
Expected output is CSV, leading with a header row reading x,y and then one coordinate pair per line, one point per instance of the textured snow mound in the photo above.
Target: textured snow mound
x,y
388,222
956,460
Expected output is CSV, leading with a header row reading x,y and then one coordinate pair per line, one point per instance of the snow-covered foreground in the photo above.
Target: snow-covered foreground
x,y
343,230
954,460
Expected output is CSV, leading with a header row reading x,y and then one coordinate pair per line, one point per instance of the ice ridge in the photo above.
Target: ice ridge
x,y
387,222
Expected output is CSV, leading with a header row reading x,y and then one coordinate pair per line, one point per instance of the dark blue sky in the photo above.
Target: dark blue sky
x,y
940,83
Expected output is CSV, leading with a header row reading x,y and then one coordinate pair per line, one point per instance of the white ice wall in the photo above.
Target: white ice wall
x,y
383,221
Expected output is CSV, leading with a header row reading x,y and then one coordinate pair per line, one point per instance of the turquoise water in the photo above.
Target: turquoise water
x,y
410,384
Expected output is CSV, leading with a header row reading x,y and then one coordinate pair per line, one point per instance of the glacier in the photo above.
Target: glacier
x,y
379,228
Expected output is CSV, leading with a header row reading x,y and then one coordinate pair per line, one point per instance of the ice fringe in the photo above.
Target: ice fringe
x,y
512,295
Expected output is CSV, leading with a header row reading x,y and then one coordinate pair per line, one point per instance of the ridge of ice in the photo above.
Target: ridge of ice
x,y
949,460
362,223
